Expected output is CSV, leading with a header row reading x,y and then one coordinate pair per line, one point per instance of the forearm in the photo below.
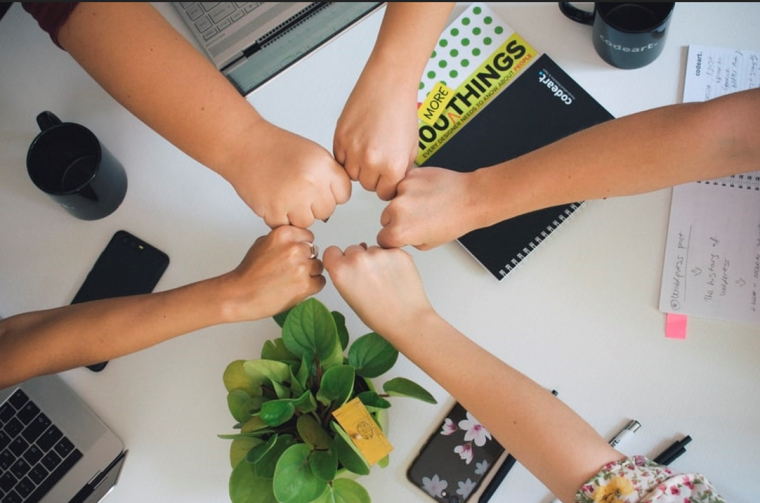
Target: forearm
x,y
547,437
54,340
406,39
160,78
635,154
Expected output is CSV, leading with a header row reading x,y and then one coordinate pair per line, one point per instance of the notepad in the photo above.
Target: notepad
x,y
542,104
712,256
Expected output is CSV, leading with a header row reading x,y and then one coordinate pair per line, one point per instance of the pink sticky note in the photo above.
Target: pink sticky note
x,y
675,326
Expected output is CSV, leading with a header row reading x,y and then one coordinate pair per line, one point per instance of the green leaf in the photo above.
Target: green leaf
x,y
324,464
276,412
371,355
334,359
240,405
260,450
247,487
294,481
265,466
240,447
255,424
340,323
281,317
373,401
235,377
401,386
337,386
296,387
348,454
313,433
276,350
310,331
303,373
347,491
268,369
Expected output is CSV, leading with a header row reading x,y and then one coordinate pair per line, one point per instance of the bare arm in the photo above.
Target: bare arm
x,y
376,135
384,288
638,153
275,274
169,85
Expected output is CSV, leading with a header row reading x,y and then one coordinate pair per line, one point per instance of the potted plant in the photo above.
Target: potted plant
x,y
290,448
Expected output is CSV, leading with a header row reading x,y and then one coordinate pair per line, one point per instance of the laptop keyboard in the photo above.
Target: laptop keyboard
x,y
210,18
34,453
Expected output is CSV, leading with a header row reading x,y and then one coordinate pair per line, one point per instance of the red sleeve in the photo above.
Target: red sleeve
x,y
50,15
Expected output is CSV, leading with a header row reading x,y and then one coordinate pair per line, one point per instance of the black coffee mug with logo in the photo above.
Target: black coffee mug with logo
x,y
625,34
69,163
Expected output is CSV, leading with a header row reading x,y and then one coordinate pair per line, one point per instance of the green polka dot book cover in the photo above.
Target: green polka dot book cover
x,y
488,96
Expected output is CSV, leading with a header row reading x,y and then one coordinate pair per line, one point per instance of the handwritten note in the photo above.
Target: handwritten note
x,y
712,255
713,72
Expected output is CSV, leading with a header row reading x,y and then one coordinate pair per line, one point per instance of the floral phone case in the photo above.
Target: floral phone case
x,y
456,459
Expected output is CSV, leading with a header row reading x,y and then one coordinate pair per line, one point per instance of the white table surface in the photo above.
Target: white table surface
x,y
580,315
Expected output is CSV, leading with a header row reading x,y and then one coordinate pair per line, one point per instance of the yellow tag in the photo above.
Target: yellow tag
x,y
435,103
363,430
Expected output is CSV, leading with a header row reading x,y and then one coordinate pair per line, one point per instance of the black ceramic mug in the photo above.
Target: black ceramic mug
x,y
68,163
626,35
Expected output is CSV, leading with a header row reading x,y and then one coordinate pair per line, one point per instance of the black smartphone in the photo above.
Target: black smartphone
x,y
457,459
127,266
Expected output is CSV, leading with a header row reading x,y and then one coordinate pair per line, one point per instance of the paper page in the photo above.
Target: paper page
x,y
712,72
712,255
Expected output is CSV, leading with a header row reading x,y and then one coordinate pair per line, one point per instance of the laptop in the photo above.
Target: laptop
x,y
252,42
53,448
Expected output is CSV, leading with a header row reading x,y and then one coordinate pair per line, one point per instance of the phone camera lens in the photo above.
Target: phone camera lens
x,y
451,498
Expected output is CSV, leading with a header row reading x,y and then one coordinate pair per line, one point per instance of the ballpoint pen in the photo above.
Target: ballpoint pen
x,y
675,456
507,465
668,454
626,432
618,439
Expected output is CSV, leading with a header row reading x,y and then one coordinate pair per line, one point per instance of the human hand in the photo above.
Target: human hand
x,y
382,286
432,206
289,180
276,274
376,135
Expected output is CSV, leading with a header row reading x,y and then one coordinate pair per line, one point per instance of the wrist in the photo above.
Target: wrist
x,y
503,193
410,330
243,149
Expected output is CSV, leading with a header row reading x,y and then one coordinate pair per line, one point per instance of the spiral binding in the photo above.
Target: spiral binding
x,y
540,238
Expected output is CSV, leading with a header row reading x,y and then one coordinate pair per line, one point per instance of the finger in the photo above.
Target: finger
x,y
368,180
386,217
323,207
388,238
341,188
386,187
291,234
355,250
274,221
339,153
351,168
301,217
316,284
331,256
316,267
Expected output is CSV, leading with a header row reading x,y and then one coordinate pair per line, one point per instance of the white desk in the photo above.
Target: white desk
x,y
580,315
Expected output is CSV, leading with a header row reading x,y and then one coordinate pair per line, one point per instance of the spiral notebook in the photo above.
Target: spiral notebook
x,y
540,105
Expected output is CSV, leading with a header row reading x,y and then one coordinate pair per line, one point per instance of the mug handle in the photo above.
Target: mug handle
x,y
46,120
576,14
